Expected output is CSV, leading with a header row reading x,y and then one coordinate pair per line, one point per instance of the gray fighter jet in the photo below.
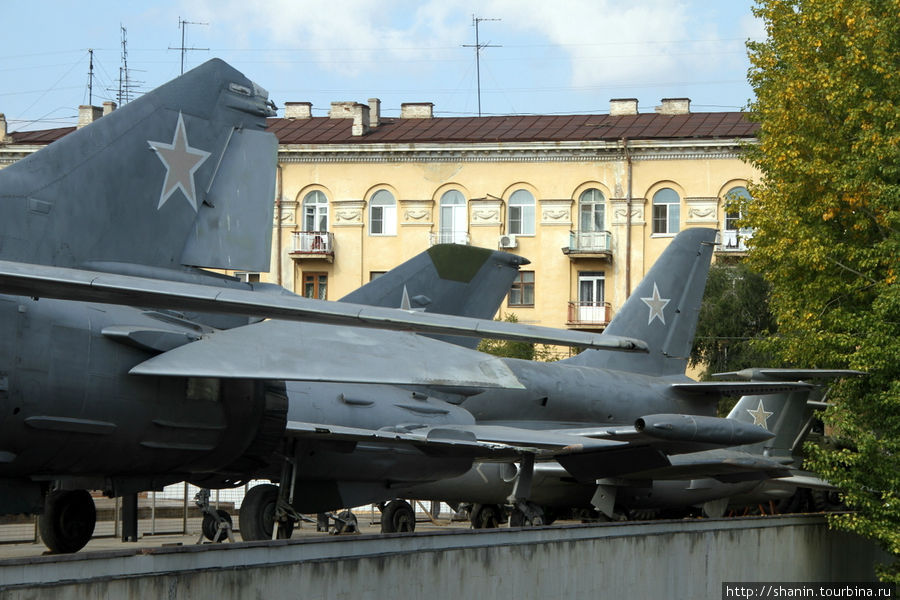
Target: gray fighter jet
x,y
708,481
101,238
594,421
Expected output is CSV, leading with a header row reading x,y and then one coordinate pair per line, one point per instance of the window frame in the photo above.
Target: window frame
x,y
522,287
315,209
385,204
524,213
665,211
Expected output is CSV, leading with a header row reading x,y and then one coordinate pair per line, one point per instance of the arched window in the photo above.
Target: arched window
x,y
733,237
666,211
382,214
521,213
454,224
315,212
735,196
592,211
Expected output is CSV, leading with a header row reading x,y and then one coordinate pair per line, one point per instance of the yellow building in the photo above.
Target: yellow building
x,y
590,200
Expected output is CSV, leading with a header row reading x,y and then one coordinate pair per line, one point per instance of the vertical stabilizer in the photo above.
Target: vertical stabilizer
x,y
787,415
183,176
449,279
663,310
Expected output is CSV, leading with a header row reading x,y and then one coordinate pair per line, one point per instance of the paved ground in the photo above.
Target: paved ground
x,y
105,541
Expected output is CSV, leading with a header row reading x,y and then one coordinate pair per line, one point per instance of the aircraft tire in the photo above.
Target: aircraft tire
x,y
346,522
68,520
486,516
257,514
398,517
210,526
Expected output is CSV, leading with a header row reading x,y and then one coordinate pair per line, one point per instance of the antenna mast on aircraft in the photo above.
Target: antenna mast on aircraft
x,y
478,46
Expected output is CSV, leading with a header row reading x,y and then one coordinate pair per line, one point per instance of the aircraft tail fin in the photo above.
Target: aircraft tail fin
x,y
448,279
183,176
788,415
663,309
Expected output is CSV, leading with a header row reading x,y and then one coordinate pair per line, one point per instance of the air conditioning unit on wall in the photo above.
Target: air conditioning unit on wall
x,y
508,241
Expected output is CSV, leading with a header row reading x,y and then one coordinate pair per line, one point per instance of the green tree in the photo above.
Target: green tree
x,y
507,348
826,219
735,311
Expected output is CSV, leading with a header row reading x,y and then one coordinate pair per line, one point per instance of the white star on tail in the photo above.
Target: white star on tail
x,y
656,305
181,162
760,415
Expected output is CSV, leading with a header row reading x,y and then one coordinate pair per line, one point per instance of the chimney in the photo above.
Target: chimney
x,y
108,107
374,112
675,106
417,110
623,106
361,122
4,134
341,110
298,110
88,114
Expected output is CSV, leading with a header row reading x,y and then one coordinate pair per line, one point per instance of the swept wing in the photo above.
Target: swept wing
x,y
92,286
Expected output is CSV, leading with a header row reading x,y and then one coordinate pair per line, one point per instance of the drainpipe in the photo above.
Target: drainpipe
x,y
279,249
627,219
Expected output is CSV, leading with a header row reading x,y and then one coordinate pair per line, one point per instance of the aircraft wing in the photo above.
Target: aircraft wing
x,y
94,286
485,442
739,388
290,350
586,454
727,466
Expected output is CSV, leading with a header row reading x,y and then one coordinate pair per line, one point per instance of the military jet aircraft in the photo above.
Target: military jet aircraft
x,y
708,480
594,393
102,236
343,453
105,387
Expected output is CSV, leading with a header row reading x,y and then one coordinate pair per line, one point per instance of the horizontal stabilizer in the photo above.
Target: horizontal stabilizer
x,y
788,374
89,286
285,350
739,388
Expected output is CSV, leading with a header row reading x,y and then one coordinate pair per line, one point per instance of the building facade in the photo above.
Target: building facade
x,y
590,200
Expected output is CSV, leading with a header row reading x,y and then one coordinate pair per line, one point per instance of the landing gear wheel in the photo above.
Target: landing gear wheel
x,y
258,514
486,516
210,525
519,518
345,523
398,517
68,520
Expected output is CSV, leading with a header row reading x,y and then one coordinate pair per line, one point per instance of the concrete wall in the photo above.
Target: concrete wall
x,y
677,559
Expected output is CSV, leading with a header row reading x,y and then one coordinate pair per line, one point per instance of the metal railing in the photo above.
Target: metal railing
x,y
589,313
734,240
590,241
313,242
449,237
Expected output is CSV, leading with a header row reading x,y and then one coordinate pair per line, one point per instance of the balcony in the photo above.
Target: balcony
x,y
449,237
589,244
733,241
313,245
589,315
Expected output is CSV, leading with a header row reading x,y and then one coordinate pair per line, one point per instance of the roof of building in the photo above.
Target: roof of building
x,y
40,136
537,128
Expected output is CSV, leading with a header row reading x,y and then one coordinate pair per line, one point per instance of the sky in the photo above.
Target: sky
x,y
540,56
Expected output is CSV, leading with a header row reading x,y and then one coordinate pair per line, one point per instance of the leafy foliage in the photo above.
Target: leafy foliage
x,y
507,348
734,317
735,311
826,219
